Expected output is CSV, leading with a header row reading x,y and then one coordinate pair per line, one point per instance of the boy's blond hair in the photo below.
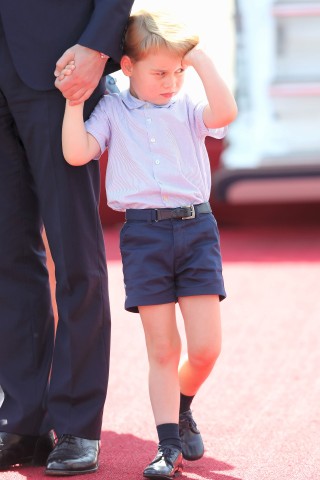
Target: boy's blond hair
x,y
149,31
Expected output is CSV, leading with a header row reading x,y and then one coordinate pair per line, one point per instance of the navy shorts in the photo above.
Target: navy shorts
x,y
167,259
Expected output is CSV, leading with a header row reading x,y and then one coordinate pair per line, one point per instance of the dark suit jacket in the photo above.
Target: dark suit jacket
x,y
39,31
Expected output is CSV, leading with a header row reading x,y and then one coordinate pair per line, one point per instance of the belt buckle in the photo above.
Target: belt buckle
x,y
193,213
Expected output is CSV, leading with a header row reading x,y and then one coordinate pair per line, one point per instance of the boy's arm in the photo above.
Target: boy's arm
x,y
79,146
222,108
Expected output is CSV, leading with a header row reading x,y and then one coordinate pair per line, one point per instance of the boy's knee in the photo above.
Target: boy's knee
x,y
205,357
166,353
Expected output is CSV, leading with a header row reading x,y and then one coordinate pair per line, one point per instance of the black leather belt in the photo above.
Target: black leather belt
x,y
157,214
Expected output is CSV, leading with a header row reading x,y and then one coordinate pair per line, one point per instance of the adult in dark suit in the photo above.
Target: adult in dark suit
x,y
37,187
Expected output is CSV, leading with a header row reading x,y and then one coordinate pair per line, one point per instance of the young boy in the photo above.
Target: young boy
x,y
158,173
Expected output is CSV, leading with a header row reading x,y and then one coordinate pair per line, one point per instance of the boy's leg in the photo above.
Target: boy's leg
x,y
201,315
164,347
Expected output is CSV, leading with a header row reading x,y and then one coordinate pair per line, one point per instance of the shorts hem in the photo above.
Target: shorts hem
x,y
201,291
133,306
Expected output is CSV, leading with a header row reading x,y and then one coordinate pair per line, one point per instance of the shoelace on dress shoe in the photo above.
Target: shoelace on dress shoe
x,y
186,421
66,438
165,453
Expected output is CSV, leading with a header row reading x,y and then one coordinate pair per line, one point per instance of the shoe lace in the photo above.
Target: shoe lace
x,y
186,421
165,453
65,438
165,450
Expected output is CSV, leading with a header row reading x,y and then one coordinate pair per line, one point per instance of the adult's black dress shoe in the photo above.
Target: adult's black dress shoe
x,y
24,449
166,464
191,440
73,455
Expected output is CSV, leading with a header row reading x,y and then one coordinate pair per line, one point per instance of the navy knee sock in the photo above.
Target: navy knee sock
x,y
185,403
168,434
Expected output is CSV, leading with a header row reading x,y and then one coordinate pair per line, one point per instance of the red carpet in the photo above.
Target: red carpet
x,y
259,412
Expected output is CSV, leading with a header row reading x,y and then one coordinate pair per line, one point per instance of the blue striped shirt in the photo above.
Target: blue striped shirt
x,y
156,154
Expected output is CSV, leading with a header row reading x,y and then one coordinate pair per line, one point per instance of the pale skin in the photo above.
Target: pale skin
x,y
77,88
201,314
156,79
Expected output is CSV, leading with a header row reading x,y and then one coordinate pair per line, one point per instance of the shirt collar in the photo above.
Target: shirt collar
x,y
133,103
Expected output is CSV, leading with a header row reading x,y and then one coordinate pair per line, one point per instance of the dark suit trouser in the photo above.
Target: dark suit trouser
x,y
38,187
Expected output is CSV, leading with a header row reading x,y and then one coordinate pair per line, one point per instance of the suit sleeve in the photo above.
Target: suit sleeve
x,y
106,27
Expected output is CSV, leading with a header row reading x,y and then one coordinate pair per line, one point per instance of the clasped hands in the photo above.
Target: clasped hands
x,y
78,72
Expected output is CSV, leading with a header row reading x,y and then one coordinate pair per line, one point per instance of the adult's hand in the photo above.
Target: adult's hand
x,y
85,77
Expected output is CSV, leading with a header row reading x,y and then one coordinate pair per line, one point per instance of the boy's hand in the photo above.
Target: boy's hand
x,y
194,56
67,70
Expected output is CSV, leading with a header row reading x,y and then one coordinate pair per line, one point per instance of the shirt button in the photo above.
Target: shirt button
x,y
152,140
157,162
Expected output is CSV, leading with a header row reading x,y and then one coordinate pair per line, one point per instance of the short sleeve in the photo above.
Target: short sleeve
x,y
195,113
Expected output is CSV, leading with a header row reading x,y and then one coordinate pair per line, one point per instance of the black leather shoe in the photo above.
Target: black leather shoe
x,y
24,449
166,464
73,455
191,440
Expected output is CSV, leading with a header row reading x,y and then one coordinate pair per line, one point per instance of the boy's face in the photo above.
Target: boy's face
x,y
156,78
